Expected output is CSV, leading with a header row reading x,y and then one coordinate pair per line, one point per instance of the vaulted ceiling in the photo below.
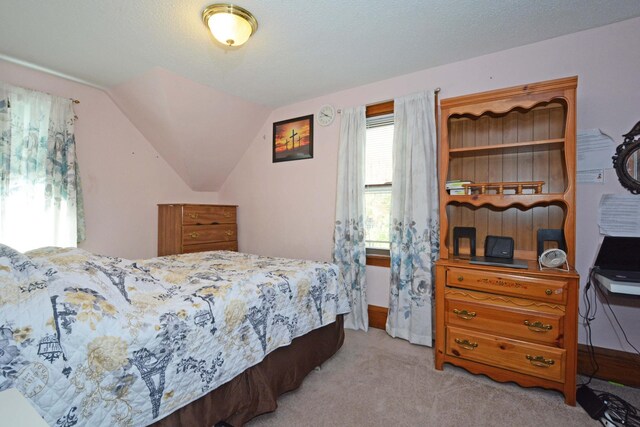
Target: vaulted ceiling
x,y
200,104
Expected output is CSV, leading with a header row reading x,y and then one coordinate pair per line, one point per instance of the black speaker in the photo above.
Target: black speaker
x,y
550,235
498,247
461,233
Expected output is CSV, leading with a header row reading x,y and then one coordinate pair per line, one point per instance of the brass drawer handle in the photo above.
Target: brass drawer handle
x,y
466,344
193,215
460,278
548,292
537,326
194,235
540,361
464,314
229,233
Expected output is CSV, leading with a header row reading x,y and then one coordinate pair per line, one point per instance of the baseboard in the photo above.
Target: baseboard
x,y
377,316
614,365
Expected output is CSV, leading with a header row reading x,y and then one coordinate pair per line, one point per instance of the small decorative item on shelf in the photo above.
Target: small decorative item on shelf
x,y
500,187
456,187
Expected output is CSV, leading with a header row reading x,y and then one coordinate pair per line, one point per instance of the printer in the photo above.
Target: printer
x,y
617,265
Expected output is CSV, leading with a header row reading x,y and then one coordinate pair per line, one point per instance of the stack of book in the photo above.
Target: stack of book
x,y
455,187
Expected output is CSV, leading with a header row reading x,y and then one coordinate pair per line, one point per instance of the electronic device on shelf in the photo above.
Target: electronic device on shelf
x,y
498,251
553,259
617,265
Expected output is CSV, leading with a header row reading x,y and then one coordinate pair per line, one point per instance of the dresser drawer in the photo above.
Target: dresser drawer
x,y
509,316
208,215
195,234
532,359
216,246
538,288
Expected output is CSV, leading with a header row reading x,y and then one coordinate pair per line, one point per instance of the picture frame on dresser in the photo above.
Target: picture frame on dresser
x,y
293,139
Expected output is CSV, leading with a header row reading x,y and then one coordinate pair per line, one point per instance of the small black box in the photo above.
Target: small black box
x,y
590,402
498,247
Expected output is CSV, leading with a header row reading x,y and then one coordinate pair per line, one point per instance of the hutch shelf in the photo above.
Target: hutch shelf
x,y
511,325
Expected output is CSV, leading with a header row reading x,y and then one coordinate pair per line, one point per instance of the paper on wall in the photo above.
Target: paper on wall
x,y
618,215
591,176
594,150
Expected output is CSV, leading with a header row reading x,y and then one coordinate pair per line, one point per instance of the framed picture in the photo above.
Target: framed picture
x,y
293,139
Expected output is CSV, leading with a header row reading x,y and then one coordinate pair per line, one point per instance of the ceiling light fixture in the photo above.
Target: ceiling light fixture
x,y
229,24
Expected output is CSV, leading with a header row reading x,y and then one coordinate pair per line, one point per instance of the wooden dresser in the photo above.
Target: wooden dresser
x,y
186,228
512,325
517,146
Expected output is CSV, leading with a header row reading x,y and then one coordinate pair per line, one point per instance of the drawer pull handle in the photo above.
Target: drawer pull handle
x,y
226,214
193,215
464,314
460,278
540,361
537,326
194,235
466,344
548,292
229,233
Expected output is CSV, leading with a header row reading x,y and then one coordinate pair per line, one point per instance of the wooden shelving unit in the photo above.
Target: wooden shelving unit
x,y
516,138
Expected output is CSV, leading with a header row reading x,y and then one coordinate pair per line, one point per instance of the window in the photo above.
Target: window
x,y
378,175
40,196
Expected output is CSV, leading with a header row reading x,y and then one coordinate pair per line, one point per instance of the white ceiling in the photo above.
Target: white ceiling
x,y
302,49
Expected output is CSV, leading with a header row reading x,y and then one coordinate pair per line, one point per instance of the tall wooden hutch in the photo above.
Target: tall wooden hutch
x,y
510,324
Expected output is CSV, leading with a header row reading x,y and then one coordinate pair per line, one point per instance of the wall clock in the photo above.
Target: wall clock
x,y
326,115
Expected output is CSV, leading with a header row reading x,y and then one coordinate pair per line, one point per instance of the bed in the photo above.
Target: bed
x,y
188,339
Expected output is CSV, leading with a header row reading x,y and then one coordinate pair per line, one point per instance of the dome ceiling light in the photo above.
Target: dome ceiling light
x,y
230,24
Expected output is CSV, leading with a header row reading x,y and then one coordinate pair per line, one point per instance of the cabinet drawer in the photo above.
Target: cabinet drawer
x,y
509,316
540,289
207,215
528,358
194,234
216,246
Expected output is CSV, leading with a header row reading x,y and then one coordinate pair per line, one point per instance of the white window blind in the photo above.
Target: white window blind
x,y
378,175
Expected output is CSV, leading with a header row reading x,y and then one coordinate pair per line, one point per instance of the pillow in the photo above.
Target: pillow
x,y
17,270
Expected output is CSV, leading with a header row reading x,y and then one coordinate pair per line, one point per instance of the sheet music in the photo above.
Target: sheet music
x,y
594,150
618,215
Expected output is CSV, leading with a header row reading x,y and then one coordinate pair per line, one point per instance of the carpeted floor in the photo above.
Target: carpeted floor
x,y
375,380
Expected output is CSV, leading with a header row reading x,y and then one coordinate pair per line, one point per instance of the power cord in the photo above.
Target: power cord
x,y
611,410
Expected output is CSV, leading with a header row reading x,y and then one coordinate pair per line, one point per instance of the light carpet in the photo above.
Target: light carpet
x,y
376,380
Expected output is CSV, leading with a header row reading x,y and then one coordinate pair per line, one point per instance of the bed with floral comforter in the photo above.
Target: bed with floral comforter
x,y
96,340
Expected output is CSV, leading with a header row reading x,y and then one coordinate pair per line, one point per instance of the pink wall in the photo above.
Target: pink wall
x,y
287,209
122,175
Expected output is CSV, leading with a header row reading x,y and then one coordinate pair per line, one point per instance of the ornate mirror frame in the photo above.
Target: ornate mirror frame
x,y
630,147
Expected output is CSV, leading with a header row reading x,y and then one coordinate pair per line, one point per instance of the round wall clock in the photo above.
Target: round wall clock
x,y
326,115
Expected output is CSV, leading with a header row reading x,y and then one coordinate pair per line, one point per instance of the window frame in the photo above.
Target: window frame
x,y
379,257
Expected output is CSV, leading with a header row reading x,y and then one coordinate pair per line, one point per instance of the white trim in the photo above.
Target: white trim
x,y
49,71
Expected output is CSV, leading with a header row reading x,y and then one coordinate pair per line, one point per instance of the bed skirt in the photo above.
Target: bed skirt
x,y
256,390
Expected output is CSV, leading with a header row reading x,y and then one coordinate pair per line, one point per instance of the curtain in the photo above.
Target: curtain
x,y
414,219
349,251
40,192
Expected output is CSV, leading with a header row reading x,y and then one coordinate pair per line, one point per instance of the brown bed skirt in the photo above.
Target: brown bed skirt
x,y
256,390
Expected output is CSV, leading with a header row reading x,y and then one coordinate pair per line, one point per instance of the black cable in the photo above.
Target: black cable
x,y
588,318
619,410
603,293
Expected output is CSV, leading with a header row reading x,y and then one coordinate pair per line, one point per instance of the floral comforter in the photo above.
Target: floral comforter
x,y
95,340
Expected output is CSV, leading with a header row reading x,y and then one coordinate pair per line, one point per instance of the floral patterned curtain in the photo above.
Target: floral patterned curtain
x,y
40,192
349,251
414,219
